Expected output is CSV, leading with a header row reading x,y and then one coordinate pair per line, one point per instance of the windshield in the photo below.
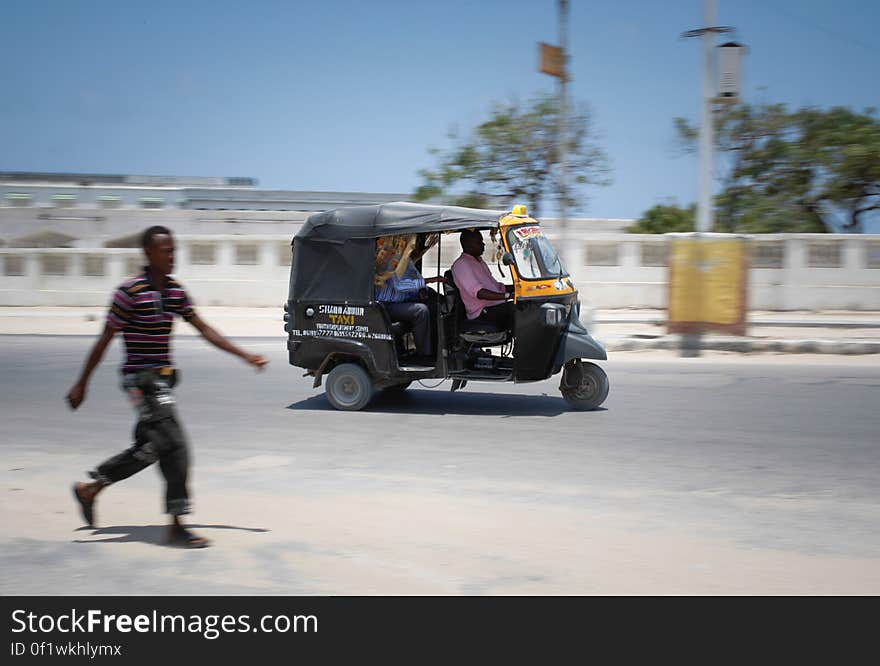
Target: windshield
x,y
534,255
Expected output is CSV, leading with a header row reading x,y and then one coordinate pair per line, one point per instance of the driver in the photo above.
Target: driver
x,y
485,299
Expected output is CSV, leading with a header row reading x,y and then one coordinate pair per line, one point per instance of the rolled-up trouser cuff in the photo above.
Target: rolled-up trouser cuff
x,y
97,476
177,507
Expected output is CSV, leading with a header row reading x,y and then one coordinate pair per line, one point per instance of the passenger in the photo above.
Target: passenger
x,y
406,298
485,299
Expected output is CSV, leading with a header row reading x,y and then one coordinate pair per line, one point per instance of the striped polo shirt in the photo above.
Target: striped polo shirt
x,y
145,317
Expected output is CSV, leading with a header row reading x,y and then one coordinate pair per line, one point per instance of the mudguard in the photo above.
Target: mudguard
x,y
346,348
576,342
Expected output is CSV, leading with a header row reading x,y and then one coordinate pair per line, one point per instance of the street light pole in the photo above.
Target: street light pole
x,y
690,341
705,213
698,261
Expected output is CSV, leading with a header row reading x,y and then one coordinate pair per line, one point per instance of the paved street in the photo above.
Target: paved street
x,y
725,474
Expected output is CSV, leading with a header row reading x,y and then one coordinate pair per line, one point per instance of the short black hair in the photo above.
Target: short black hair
x,y
149,234
469,233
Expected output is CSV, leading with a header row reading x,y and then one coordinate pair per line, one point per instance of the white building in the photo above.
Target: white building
x,y
92,210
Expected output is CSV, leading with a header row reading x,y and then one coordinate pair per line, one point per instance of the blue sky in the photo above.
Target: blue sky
x,y
344,95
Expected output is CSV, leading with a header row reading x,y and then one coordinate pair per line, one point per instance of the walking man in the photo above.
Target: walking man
x,y
143,309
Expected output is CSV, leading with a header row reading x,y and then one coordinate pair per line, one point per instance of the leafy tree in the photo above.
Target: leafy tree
x,y
848,176
809,170
514,155
663,219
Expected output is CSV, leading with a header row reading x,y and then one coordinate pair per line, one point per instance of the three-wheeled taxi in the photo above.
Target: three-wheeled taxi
x,y
338,331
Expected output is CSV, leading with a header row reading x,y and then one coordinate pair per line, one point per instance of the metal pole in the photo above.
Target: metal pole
x,y
691,342
563,134
704,202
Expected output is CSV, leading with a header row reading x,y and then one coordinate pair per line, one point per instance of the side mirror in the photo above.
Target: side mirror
x,y
507,259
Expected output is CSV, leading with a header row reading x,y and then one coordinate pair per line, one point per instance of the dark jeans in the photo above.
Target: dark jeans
x,y
419,317
157,437
500,315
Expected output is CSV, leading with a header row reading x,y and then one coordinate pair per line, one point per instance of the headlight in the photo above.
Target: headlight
x,y
553,314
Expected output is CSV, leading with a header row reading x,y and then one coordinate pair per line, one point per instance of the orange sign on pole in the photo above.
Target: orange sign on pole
x,y
552,60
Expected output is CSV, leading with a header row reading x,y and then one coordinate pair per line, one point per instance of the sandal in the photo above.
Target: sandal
x,y
86,507
180,536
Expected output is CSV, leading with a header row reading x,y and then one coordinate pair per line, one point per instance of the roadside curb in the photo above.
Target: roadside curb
x,y
765,322
749,345
267,323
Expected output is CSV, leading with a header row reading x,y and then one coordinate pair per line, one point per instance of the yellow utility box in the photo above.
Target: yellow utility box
x,y
707,284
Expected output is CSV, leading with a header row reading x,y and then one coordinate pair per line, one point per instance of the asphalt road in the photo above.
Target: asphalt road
x,y
718,475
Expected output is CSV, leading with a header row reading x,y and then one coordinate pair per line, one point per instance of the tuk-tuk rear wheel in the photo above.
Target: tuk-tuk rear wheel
x,y
584,385
348,387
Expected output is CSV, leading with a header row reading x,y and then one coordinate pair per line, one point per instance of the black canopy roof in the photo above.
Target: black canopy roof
x,y
397,217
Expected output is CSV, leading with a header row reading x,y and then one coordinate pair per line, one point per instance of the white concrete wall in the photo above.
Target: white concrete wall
x,y
816,271
807,276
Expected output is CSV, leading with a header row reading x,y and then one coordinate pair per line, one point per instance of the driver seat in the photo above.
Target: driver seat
x,y
473,333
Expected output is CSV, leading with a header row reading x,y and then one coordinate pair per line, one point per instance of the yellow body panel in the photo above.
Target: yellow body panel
x,y
544,288
532,288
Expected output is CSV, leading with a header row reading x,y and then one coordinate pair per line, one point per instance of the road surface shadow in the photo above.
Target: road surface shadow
x,y
432,402
156,535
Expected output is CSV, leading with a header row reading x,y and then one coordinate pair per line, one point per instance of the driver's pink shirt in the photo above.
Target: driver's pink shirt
x,y
472,274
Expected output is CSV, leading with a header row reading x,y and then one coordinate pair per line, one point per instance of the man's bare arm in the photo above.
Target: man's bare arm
x,y
489,295
218,340
77,393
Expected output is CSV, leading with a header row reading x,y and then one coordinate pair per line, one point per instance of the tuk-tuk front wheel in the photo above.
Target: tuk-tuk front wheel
x,y
584,385
348,387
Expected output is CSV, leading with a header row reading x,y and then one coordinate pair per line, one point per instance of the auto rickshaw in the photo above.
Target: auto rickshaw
x,y
338,332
